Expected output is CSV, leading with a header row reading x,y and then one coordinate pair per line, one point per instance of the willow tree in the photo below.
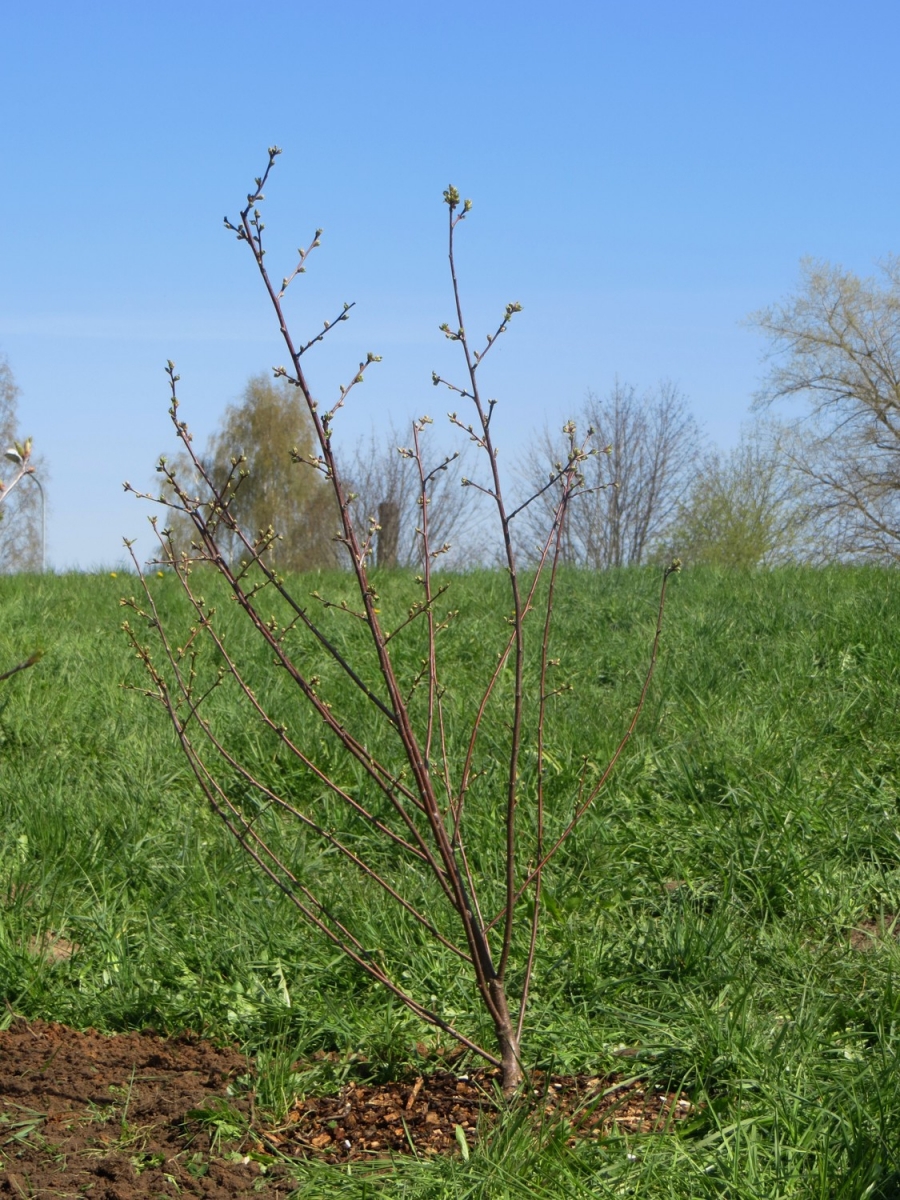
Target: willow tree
x,y
745,507
253,456
835,349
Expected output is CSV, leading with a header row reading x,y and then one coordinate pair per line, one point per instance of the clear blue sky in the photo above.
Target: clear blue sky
x,y
643,176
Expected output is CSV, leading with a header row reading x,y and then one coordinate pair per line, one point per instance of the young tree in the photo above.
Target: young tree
x,y
648,448
835,345
394,773
253,458
21,517
744,508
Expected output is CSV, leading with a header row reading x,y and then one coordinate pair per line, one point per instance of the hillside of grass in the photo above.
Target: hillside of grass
x,y
723,920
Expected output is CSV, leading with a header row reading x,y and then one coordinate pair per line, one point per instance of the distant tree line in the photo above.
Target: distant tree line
x,y
820,487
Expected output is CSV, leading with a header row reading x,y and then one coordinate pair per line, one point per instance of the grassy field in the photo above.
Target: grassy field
x,y
725,912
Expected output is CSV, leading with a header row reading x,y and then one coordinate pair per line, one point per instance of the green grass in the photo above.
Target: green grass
x,y
702,912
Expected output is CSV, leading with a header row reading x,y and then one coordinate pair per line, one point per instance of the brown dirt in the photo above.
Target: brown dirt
x,y
868,933
108,1116
134,1115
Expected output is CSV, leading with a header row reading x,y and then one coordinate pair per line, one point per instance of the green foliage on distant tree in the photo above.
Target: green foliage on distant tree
x,y
256,454
744,508
836,346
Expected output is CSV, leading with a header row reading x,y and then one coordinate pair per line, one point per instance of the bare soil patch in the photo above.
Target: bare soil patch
x,y
135,1115
868,933
81,1113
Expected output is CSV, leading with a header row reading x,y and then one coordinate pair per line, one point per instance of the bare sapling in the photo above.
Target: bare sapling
x,y
390,753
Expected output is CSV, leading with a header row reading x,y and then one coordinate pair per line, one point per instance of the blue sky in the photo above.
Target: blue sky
x,y
643,176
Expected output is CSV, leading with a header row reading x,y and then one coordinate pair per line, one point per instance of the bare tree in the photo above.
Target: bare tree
x,y
417,776
647,448
21,518
835,345
382,475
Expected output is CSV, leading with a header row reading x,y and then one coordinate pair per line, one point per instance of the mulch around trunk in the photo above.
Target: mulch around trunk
x,y
133,1115
443,1112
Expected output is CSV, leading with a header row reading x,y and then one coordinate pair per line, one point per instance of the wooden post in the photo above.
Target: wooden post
x,y
388,534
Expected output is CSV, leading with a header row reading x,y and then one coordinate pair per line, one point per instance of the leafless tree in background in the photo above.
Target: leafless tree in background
x,y
836,345
20,517
648,444
384,478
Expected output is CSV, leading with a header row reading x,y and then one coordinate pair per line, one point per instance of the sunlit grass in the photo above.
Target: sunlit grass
x,y
701,919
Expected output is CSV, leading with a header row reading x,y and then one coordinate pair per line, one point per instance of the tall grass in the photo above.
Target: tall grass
x,y
701,920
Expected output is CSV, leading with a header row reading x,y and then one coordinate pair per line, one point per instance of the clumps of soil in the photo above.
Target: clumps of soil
x,y
107,1116
132,1115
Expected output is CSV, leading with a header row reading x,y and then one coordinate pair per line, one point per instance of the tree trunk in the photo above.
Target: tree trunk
x,y
508,1044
